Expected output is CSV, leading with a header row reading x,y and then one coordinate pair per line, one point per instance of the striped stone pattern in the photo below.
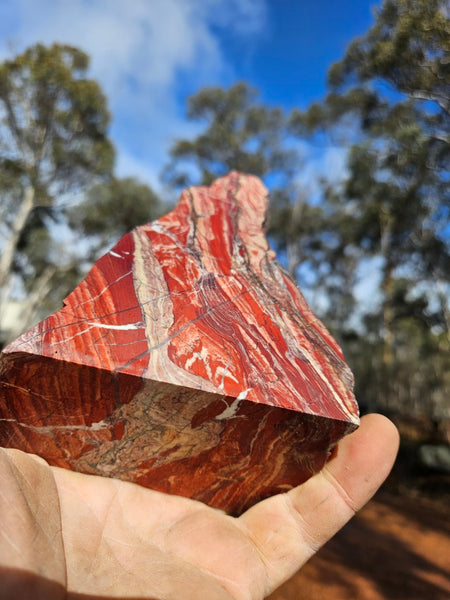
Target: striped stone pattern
x,y
187,361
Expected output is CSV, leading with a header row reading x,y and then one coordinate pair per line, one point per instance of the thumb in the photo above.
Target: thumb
x,y
288,529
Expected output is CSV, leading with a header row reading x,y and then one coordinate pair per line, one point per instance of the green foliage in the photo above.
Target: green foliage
x,y
408,47
239,134
54,122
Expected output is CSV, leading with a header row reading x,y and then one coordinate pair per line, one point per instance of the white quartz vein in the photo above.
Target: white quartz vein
x,y
118,327
232,409
51,428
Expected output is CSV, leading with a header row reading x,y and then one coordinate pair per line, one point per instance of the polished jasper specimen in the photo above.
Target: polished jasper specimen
x,y
186,361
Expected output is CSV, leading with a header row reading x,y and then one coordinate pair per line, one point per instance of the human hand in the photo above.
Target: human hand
x,y
65,535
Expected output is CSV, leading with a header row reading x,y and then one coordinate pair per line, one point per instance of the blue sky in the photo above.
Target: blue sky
x,y
149,55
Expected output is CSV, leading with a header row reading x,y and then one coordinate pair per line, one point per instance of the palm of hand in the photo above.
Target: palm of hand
x,y
110,539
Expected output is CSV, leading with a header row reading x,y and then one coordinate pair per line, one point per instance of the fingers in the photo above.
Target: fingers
x,y
287,529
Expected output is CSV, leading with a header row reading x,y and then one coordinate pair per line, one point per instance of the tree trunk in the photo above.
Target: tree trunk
x,y
388,338
42,286
7,257
293,258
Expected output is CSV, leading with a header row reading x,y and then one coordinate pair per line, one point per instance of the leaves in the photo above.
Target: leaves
x,y
408,46
239,135
55,119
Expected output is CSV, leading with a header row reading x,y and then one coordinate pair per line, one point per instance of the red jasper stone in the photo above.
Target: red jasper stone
x,y
186,361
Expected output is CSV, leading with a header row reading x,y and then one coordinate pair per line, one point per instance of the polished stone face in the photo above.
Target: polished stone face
x,y
186,361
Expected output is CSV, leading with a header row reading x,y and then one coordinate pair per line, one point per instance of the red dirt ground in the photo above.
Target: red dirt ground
x,y
397,547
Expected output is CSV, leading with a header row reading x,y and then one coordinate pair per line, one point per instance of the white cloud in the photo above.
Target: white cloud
x,y
327,162
245,17
128,164
146,54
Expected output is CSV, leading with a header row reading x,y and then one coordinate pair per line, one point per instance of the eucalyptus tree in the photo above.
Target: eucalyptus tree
x,y
53,143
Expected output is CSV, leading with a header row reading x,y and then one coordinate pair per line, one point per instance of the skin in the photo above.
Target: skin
x,y
64,535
